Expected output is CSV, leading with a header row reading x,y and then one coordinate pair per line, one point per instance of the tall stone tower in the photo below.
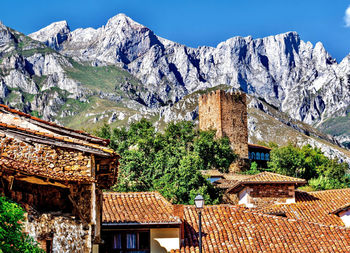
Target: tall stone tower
x,y
227,113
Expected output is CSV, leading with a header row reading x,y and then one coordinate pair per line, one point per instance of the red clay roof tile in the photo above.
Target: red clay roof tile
x,y
137,207
232,229
316,207
21,130
13,111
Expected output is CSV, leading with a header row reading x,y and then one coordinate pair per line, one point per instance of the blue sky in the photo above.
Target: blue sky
x,y
195,23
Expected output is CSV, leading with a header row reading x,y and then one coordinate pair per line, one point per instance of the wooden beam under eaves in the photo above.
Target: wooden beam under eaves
x,y
35,180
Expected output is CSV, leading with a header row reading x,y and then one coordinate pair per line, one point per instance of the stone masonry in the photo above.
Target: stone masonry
x,y
227,113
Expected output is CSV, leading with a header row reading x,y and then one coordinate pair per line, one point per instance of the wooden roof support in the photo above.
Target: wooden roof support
x,y
28,138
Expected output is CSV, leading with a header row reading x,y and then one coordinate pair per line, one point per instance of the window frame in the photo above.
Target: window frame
x,y
124,234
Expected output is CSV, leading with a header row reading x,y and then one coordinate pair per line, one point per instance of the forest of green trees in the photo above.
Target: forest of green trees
x,y
170,161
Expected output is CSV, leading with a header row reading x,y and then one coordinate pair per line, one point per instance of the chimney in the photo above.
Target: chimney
x,y
179,212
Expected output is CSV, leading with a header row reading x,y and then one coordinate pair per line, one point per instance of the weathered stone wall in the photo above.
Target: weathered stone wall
x,y
227,113
261,195
53,217
82,197
209,110
67,233
71,162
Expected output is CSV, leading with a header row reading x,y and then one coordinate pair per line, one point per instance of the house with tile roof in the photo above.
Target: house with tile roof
x,y
258,190
227,228
57,174
140,222
330,207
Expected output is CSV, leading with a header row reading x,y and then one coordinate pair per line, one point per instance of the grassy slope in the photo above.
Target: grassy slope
x,y
337,126
107,79
103,78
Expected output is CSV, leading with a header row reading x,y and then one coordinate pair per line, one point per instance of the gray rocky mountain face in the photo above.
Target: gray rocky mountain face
x,y
32,76
50,74
53,35
298,78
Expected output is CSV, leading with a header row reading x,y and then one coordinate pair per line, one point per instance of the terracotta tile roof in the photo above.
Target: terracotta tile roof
x,y
212,173
236,177
237,182
340,209
23,168
250,145
315,206
226,183
137,208
232,229
269,177
56,128
56,140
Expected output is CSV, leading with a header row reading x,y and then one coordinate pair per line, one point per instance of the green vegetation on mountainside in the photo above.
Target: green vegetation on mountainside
x,y
337,126
101,78
84,113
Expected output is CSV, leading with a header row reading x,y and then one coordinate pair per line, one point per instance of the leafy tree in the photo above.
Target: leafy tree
x,y
253,169
287,161
168,162
311,164
12,238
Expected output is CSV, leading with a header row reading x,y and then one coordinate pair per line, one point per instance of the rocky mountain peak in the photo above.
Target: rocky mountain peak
x,y
123,21
52,35
296,77
2,26
5,35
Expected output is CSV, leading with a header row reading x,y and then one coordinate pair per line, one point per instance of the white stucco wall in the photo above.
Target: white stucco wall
x,y
164,239
244,197
345,216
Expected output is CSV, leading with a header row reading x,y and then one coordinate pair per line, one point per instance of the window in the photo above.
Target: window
x,y
127,241
252,156
267,157
257,156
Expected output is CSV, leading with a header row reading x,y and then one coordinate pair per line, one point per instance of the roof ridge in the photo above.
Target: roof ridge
x,y
274,173
62,139
295,220
123,193
7,108
340,189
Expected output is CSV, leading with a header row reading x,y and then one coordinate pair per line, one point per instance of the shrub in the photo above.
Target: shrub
x,y
12,238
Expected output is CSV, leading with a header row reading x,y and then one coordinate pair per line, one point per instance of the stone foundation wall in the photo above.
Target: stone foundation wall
x,y
67,234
